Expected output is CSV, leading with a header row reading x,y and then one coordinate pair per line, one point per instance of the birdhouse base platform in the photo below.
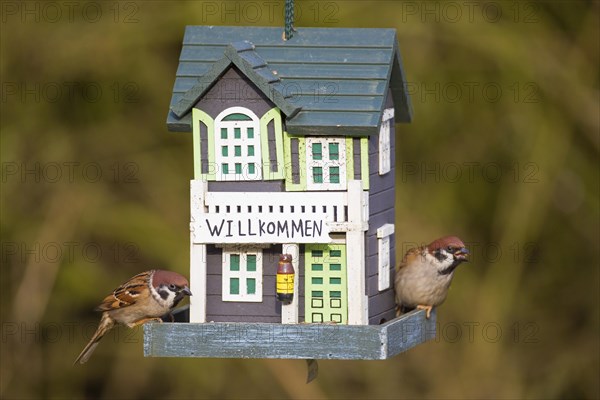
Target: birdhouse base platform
x,y
290,341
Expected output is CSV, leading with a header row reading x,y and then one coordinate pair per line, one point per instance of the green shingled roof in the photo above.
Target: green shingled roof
x,y
326,81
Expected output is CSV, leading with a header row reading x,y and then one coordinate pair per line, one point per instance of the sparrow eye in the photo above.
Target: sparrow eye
x,y
450,249
172,287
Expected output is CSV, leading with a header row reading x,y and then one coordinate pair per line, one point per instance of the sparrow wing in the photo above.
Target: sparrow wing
x,y
128,293
410,256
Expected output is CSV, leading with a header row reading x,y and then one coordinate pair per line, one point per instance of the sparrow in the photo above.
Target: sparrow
x,y
145,297
424,275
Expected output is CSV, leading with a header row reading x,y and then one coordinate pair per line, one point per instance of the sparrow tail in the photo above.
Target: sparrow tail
x,y
106,324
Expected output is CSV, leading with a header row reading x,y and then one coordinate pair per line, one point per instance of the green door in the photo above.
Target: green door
x,y
325,293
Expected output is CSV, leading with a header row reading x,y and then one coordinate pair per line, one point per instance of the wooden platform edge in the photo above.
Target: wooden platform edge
x,y
291,341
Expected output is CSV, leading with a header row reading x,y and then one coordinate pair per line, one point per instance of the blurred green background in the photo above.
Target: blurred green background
x,y
503,152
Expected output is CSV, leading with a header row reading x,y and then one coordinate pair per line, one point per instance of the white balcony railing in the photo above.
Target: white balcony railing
x,y
275,217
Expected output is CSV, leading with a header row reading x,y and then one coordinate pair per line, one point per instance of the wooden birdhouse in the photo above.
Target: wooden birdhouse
x,y
292,198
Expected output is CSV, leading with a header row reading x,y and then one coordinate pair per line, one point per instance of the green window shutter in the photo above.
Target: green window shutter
x,y
225,168
334,151
317,151
318,175
234,285
334,174
237,117
335,253
251,262
225,151
238,168
317,267
237,133
251,169
234,262
223,133
317,281
250,132
237,151
250,150
251,286
335,267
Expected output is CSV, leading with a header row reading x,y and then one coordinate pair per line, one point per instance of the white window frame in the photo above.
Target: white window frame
x,y
325,163
385,156
243,274
231,142
384,264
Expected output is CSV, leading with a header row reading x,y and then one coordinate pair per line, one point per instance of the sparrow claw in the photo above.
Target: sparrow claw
x,y
427,309
143,321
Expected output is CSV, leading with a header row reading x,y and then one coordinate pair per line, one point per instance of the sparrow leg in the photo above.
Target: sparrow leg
x,y
426,308
143,321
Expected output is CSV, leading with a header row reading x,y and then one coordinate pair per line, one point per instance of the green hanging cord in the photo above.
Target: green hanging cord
x,y
289,20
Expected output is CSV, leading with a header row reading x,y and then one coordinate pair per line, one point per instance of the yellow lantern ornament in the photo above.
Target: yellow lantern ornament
x,y
285,279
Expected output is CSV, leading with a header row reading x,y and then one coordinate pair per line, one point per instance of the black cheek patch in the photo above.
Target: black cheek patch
x,y
164,294
439,255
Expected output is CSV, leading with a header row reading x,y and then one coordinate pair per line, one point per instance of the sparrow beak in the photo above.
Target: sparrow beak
x,y
186,291
462,254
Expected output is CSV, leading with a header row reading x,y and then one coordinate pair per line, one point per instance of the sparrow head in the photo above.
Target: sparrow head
x,y
170,286
450,251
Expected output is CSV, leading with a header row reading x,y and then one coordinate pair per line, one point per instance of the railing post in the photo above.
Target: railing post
x,y
198,189
289,312
355,255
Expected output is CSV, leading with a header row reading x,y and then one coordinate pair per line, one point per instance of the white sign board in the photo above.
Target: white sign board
x,y
263,228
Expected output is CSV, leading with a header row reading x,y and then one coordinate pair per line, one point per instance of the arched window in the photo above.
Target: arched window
x,y
237,145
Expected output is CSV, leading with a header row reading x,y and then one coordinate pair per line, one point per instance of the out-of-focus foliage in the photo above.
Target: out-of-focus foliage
x,y
503,152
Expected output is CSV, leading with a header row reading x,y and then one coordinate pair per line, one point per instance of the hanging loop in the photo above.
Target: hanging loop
x,y
289,20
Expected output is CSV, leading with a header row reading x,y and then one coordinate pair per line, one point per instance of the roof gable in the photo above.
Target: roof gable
x,y
326,81
252,65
